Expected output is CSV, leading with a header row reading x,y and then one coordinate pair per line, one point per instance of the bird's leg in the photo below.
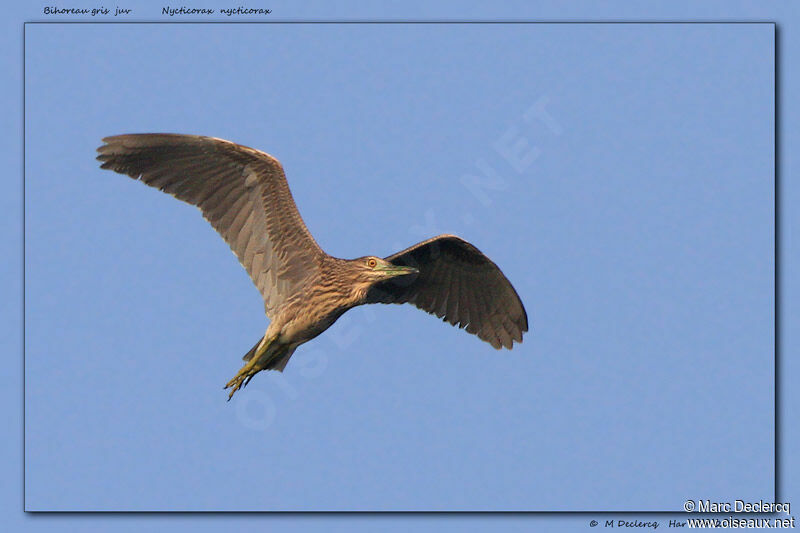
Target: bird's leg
x,y
253,367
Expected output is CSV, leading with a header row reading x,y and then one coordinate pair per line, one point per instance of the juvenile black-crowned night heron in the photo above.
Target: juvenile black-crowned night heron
x,y
243,193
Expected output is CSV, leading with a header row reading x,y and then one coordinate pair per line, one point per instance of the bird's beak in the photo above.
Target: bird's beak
x,y
391,271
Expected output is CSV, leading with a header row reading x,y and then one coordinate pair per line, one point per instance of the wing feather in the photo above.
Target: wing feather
x,y
242,192
458,283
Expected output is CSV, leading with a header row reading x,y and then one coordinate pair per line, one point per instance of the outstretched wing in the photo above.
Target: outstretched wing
x,y
459,284
242,192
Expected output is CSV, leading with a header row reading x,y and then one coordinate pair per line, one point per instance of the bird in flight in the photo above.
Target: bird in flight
x,y
243,193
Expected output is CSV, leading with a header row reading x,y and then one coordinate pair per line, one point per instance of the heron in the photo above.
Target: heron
x,y
244,195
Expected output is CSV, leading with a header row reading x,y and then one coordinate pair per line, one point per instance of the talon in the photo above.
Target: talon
x,y
246,373
242,378
234,384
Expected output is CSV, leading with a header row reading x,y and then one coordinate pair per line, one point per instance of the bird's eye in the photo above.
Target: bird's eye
x,y
371,262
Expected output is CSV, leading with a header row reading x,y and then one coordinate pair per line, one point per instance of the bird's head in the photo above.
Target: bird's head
x,y
371,269
363,273
357,276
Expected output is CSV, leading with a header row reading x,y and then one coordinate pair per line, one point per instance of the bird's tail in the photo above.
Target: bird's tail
x,y
278,355
249,355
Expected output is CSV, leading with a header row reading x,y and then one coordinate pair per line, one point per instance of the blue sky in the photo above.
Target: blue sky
x,y
638,233
635,219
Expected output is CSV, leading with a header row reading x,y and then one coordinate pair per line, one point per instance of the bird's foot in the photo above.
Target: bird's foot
x,y
243,377
253,367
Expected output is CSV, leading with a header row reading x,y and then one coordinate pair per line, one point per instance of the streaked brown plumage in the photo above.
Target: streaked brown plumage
x,y
243,193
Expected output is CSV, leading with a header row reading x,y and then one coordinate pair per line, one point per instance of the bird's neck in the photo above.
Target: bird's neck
x,y
339,286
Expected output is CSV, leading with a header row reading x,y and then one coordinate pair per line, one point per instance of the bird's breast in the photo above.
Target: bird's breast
x,y
307,319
